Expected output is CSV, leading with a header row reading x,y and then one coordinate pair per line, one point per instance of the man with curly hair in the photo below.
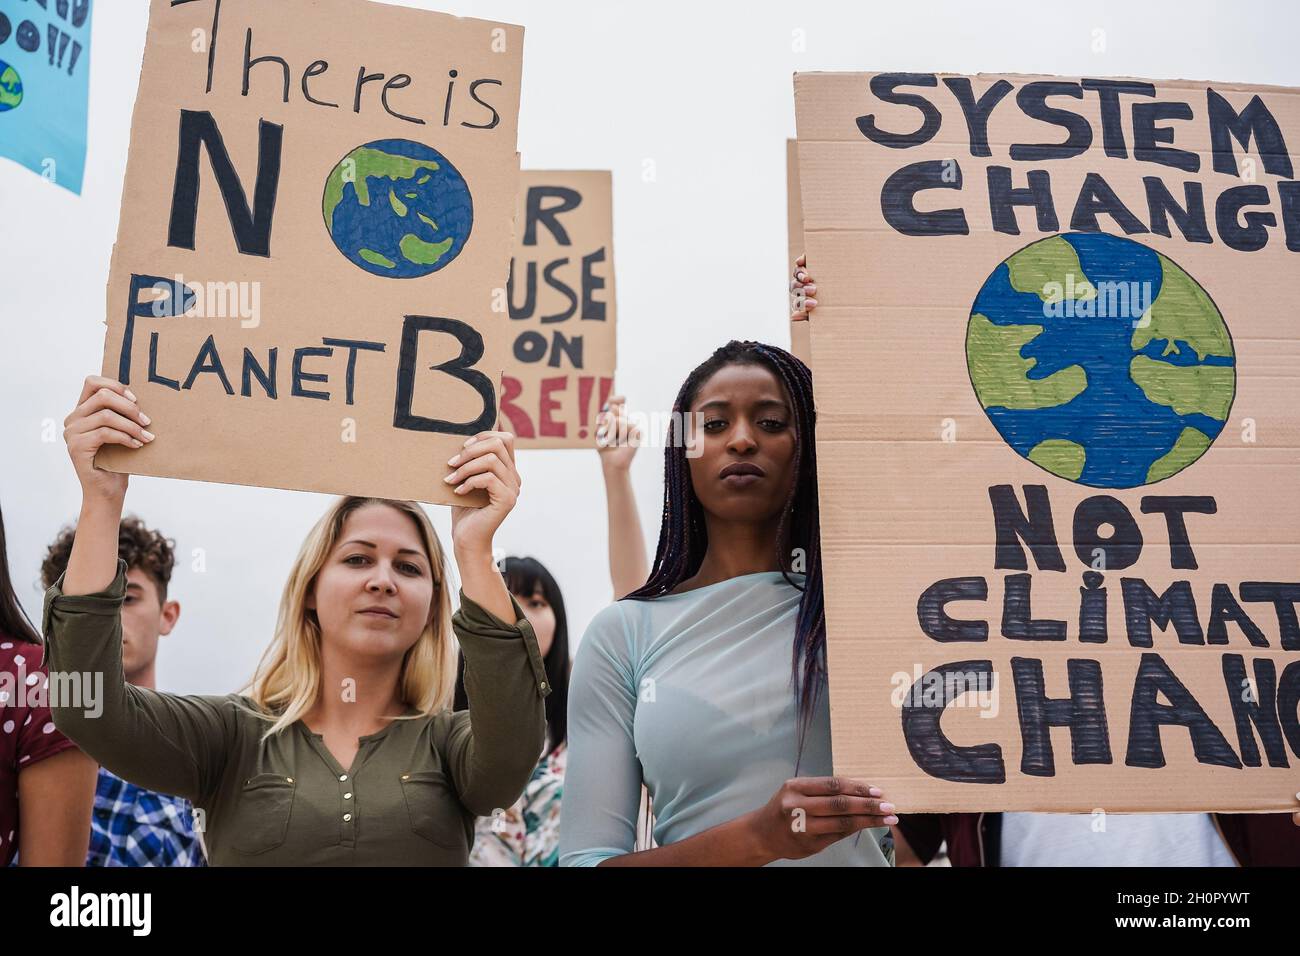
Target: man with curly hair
x,y
132,826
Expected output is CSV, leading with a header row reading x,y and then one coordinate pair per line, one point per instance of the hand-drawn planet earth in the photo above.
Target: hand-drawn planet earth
x,y
11,87
1100,360
398,208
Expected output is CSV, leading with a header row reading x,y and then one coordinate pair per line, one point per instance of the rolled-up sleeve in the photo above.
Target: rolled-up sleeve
x,y
493,749
166,742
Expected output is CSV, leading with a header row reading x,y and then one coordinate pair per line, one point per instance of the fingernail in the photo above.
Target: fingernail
x,y
876,792
131,395
148,435
145,419
886,808
449,479
891,821
137,443
461,490
452,461
605,407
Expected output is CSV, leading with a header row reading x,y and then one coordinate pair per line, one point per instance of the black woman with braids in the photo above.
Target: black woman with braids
x,y
708,683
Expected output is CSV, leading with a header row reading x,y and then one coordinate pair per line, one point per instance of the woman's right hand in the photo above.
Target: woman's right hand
x,y
808,814
106,414
802,289
617,438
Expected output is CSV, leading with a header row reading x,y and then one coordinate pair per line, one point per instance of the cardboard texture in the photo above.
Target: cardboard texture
x,y
800,343
326,189
563,316
1102,364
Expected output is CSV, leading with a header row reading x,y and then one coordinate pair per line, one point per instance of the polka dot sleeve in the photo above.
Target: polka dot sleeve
x,y
35,734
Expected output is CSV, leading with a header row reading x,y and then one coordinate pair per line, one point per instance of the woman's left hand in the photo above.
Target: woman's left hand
x,y
487,463
802,290
617,438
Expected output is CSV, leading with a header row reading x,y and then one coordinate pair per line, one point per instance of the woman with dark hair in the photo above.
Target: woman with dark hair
x,y
543,604
47,785
528,833
708,683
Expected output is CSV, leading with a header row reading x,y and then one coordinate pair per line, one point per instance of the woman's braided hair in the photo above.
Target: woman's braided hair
x,y
683,537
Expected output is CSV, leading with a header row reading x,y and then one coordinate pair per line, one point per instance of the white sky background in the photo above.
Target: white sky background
x,y
702,89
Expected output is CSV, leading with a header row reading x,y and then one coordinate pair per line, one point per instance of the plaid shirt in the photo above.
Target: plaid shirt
x,y
132,826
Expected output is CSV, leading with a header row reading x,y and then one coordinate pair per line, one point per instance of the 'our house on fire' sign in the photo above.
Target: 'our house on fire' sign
x,y
562,309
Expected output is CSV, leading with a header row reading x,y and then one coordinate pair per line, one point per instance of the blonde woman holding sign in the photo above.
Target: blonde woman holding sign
x,y
344,751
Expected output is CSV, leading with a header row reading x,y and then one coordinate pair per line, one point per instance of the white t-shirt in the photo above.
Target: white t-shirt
x,y
1112,839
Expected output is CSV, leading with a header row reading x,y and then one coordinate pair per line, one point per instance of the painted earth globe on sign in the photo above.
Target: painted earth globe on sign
x,y
11,87
398,208
1100,360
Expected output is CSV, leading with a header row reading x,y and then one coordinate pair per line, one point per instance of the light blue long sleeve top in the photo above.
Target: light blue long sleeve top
x,y
692,694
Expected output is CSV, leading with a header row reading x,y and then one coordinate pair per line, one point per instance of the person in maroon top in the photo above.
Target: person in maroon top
x,y
47,785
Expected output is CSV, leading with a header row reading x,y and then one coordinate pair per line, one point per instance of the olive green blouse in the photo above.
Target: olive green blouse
x,y
409,799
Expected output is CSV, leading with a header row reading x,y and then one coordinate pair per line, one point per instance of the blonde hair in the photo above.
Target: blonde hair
x,y
287,682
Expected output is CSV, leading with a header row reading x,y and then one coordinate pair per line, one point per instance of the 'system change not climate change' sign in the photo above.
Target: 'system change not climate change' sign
x,y
316,217
1057,385
562,309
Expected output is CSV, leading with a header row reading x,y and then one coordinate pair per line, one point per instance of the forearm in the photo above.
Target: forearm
x,y
85,643
149,738
482,583
501,755
628,567
55,798
92,564
495,751
904,855
733,843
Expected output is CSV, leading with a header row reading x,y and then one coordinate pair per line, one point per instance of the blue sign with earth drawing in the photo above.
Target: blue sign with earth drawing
x,y
398,208
1100,360
44,86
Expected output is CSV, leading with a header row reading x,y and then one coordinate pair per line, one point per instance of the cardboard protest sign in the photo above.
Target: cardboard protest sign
x,y
44,87
562,309
1058,377
318,210
800,346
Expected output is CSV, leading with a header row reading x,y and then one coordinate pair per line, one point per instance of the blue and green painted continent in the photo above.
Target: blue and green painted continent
x,y
397,208
1103,395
